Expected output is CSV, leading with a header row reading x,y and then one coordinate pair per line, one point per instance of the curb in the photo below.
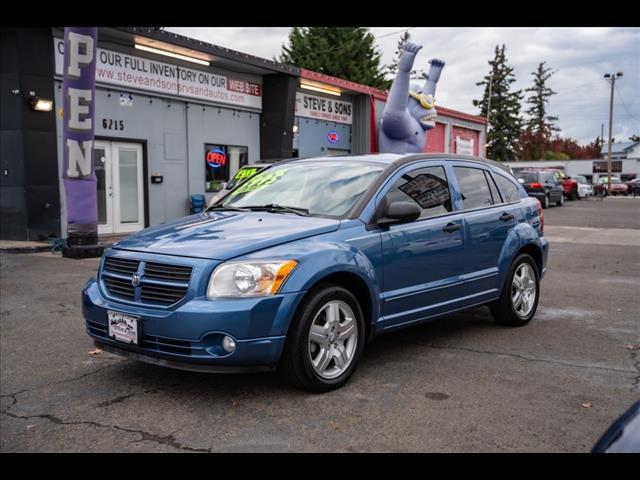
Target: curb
x,y
45,248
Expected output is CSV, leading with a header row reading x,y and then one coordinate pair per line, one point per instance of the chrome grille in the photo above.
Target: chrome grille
x,y
162,293
120,287
160,284
160,271
120,265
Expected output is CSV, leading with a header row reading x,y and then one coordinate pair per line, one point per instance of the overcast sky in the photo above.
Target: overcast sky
x,y
580,57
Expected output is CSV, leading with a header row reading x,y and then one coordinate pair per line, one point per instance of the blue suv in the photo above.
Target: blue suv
x,y
302,264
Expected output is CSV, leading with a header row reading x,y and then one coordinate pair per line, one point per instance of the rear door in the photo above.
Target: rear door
x,y
488,220
421,259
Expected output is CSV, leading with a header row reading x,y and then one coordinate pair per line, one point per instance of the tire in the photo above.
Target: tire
x,y
545,204
574,194
504,311
302,347
560,202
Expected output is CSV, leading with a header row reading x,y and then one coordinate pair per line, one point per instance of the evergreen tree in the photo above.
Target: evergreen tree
x,y
348,53
393,68
505,124
539,122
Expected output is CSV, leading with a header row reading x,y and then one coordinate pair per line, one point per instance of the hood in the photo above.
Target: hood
x,y
224,235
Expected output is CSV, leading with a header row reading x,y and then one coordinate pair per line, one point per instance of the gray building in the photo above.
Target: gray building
x,y
174,117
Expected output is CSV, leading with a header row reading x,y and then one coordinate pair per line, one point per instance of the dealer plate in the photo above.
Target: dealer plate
x,y
123,327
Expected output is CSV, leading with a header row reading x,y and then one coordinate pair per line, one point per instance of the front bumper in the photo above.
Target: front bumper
x,y
585,191
190,336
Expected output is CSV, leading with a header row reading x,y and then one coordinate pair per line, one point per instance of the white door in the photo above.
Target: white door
x,y
118,168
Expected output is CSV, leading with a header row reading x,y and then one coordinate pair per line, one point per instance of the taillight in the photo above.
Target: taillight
x,y
540,214
536,185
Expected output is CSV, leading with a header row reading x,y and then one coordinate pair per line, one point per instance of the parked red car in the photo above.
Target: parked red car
x,y
569,185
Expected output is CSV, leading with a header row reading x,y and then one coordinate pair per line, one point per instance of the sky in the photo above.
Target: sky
x,y
579,57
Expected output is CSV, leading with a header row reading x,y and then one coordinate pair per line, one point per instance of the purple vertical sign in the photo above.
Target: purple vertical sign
x,y
78,95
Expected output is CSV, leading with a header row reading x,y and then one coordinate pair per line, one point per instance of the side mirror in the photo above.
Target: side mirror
x,y
400,212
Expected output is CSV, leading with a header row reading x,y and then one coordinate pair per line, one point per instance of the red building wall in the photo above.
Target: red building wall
x,y
436,141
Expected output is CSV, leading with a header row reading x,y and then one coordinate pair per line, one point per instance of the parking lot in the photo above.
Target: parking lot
x,y
458,384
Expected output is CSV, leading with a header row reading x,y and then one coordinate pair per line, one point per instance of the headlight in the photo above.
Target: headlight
x,y
249,279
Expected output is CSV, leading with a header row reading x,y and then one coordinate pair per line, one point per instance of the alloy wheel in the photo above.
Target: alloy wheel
x,y
523,290
333,339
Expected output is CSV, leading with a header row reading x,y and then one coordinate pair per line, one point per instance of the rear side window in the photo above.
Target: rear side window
x,y
473,187
492,186
508,188
428,187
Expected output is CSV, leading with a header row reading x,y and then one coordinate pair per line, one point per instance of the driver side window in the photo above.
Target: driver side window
x,y
427,187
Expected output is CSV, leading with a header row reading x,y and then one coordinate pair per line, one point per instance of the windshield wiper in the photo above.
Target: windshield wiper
x,y
221,208
274,206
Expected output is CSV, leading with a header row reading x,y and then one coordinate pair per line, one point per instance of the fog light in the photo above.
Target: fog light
x,y
229,344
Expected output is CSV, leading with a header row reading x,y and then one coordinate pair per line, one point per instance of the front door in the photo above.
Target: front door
x,y
118,168
422,259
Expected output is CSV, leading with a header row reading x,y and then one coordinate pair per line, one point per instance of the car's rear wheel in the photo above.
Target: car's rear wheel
x,y
519,298
325,341
574,194
545,202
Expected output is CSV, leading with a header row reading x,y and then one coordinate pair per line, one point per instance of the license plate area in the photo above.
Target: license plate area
x,y
124,328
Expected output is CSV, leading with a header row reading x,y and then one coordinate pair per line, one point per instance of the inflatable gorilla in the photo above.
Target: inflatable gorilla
x,y
409,112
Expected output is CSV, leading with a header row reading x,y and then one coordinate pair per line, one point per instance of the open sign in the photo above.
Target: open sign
x,y
333,136
216,158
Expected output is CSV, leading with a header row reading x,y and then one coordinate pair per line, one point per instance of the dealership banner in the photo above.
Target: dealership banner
x,y
124,70
322,108
78,94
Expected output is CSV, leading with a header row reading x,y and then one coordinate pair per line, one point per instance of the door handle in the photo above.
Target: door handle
x,y
452,227
505,217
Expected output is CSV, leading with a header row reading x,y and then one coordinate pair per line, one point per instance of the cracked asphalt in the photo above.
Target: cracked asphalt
x,y
458,384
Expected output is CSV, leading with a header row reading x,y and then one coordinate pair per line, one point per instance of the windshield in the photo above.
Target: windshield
x,y
528,177
323,188
613,180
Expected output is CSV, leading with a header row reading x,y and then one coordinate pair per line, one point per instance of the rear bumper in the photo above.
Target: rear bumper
x,y
537,194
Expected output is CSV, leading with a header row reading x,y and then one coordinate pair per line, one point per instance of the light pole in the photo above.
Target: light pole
x,y
612,77
486,140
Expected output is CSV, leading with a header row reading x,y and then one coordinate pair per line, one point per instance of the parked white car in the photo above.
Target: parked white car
x,y
584,187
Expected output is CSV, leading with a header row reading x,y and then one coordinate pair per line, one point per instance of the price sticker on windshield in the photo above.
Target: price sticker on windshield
x,y
259,181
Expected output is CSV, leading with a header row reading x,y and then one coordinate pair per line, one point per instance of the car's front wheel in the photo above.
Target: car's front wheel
x,y
325,341
561,201
519,299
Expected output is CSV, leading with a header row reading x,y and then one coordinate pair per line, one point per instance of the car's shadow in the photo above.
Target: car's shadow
x,y
404,342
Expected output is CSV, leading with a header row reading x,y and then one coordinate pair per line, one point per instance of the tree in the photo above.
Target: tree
x,y
347,53
505,124
393,68
539,122
534,140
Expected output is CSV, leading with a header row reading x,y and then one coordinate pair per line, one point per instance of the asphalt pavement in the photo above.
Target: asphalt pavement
x,y
458,384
